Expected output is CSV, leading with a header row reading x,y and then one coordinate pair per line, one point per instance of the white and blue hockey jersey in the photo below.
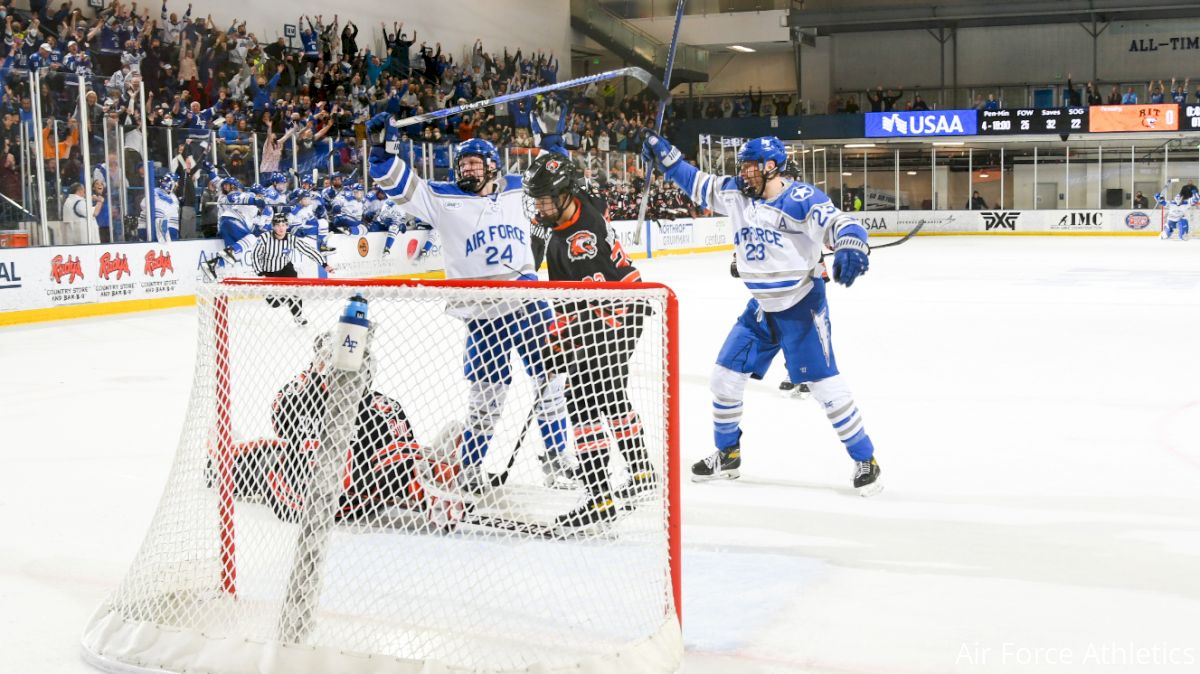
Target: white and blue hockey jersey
x,y
239,208
483,238
274,197
778,243
1176,211
166,214
345,206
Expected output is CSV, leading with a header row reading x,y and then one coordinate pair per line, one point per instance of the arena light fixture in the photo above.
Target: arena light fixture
x,y
738,47
911,173
984,175
948,142
851,145
847,173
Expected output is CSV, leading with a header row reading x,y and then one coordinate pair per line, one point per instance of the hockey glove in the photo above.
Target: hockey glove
x,y
849,259
656,149
378,122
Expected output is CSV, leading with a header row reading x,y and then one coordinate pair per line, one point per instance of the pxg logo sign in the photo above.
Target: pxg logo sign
x,y
1000,220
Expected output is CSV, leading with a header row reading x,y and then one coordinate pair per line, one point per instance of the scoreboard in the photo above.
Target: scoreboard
x,y
1032,120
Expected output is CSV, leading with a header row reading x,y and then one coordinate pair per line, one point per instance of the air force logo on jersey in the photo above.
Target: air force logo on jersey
x,y
802,192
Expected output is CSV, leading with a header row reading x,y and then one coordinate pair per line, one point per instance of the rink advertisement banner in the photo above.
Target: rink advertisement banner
x,y
42,278
678,235
920,124
1150,117
1078,221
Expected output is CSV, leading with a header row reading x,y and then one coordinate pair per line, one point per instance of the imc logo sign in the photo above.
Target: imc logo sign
x,y
921,124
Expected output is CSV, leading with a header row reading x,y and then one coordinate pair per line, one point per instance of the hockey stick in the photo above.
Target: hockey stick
x,y
906,237
639,74
498,479
658,122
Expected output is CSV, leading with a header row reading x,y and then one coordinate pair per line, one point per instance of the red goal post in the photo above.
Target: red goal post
x,y
316,519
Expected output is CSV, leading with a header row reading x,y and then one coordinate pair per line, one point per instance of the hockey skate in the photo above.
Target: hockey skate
x,y
636,487
724,464
800,391
597,511
473,480
209,267
866,478
559,471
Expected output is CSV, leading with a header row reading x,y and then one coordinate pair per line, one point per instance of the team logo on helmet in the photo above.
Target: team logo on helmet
x,y
582,246
553,165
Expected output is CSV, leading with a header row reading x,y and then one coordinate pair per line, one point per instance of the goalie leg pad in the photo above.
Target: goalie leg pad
x,y
838,403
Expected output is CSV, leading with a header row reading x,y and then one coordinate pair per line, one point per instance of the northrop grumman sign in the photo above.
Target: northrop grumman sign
x,y
921,124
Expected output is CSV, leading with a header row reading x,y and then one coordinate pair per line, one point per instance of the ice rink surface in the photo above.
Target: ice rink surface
x,y
1034,402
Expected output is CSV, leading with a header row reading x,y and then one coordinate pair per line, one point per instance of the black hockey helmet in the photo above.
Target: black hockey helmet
x,y
278,217
551,175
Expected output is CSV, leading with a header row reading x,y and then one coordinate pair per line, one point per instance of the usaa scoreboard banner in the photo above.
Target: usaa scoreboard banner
x,y
923,124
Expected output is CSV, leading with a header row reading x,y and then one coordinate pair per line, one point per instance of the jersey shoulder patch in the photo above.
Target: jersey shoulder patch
x,y
582,245
798,199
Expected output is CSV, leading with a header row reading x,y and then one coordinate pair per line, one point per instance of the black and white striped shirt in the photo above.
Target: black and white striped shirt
x,y
271,254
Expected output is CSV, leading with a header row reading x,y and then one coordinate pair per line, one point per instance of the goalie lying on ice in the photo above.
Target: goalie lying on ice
x,y
385,467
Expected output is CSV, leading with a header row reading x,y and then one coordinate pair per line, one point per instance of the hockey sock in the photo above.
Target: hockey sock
x,y
485,401
627,429
728,388
843,414
552,414
593,448
388,244
474,447
1183,229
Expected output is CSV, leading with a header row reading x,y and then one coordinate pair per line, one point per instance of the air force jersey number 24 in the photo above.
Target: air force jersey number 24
x,y
483,238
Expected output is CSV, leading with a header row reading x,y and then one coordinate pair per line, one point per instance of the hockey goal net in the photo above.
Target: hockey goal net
x,y
402,485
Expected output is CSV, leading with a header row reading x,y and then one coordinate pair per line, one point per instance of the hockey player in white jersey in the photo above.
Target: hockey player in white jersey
x,y
346,210
384,215
481,221
1177,212
276,195
779,229
236,214
166,212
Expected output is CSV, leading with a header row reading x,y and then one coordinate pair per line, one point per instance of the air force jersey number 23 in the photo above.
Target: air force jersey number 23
x,y
778,241
483,238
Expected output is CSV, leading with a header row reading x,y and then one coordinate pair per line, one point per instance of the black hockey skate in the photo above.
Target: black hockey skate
x,y
788,389
722,465
866,478
597,510
636,487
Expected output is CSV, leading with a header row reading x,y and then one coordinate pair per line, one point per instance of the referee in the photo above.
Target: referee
x,y
272,257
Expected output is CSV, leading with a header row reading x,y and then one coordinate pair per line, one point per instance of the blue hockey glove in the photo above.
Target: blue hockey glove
x,y
849,259
656,149
376,123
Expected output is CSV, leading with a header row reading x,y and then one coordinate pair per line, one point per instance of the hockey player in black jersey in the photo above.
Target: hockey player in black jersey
x,y
592,341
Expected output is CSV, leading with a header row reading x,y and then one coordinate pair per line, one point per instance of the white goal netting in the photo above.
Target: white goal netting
x,y
491,488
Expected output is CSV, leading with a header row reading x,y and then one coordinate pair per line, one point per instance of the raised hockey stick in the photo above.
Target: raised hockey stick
x,y
639,74
658,122
906,237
